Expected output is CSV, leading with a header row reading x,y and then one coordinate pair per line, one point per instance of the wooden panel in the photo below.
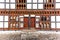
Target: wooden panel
x,y
26,22
32,22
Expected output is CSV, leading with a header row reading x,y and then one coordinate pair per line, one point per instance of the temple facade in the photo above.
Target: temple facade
x,y
27,14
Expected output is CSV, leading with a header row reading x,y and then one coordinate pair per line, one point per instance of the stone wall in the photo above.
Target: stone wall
x,y
30,36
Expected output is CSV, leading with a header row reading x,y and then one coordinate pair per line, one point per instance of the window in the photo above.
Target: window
x,y
21,25
37,21
29,1
57,5
1,6
17,18
37,18
58,25
1,18
57,21
40,6
12,0
21,21
40,1
1,24
57,0
5,24
9,5
11,25
52,18
14,24
29,6
7,0
17,25
6,18
34,1
4,21
53,22
57,18
1,0
12,6
1,21
37,25
52,25
21,18
33,4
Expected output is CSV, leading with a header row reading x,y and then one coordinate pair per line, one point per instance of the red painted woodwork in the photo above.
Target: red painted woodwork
x,y
32,22
26,22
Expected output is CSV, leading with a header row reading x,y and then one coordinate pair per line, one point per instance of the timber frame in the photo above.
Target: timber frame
x,y
29,22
